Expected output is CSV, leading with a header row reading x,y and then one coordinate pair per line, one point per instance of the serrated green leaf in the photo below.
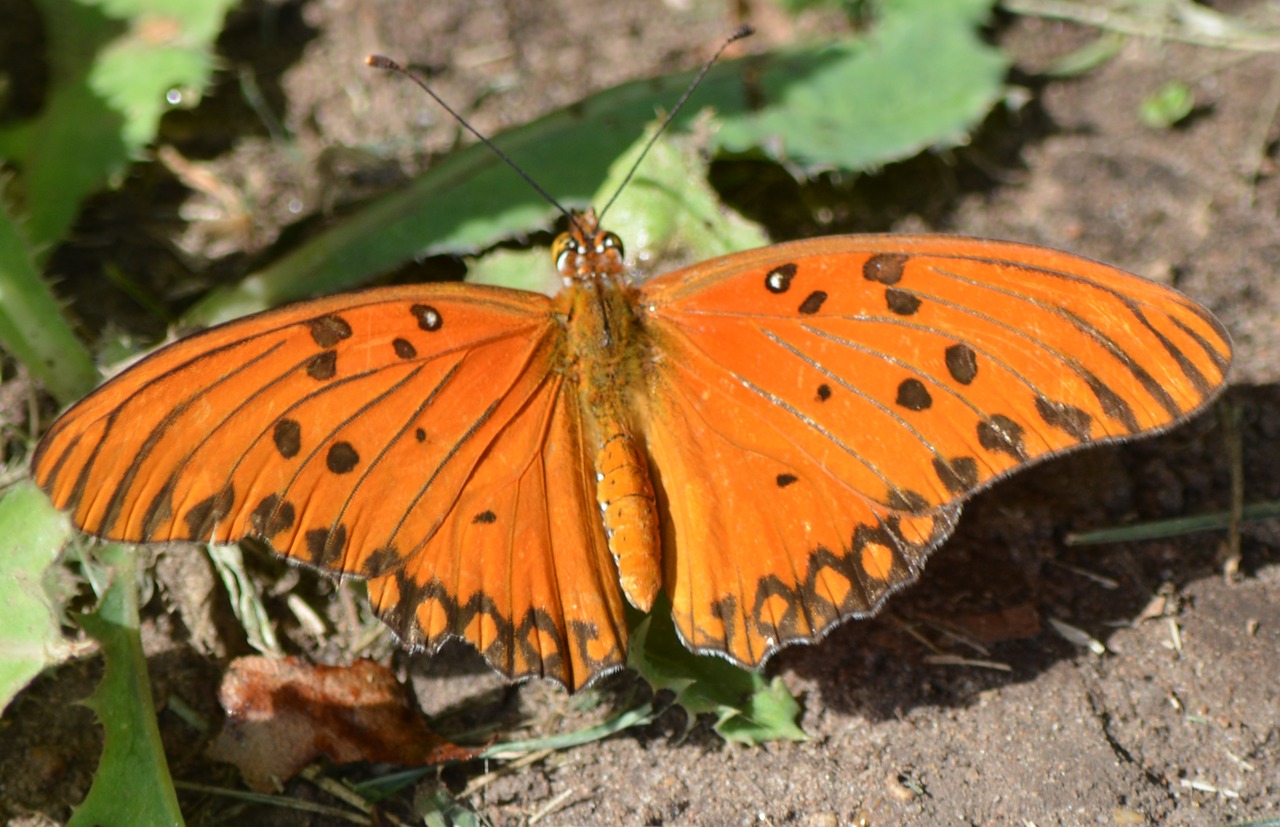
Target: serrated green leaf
x,y
117,80
32,327
747,707
132,784
32,533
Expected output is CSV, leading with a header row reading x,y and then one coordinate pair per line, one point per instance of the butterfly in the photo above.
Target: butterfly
x,y
775,439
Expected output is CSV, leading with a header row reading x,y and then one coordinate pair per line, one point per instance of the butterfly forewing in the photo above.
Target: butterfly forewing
x,y
856,390
415,434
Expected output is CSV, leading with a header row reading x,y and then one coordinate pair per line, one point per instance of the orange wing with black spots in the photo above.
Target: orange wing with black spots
x,y
818,411
776,438
419,436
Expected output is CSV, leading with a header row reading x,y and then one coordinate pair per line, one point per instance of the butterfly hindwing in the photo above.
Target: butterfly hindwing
x,y
520,566
837,399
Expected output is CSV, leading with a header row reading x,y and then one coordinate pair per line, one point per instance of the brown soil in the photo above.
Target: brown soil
x,y
1178,723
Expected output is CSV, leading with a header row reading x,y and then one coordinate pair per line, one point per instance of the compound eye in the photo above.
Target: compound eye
x,y
612,242
560,250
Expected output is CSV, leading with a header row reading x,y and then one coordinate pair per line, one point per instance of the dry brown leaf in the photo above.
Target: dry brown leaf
x,y
282,714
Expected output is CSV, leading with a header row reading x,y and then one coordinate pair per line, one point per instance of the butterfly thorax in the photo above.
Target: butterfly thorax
x,y
603,349
596,307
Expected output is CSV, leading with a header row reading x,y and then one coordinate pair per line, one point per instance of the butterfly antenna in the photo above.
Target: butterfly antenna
x,y
743,31
381,62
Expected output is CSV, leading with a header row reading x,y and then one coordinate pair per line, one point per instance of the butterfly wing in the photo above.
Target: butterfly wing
x,y
819,410
421,437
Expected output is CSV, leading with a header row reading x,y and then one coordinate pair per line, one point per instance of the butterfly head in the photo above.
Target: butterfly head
x,y
585,251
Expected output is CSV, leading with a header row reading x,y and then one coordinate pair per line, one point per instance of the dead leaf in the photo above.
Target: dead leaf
x,y
282,714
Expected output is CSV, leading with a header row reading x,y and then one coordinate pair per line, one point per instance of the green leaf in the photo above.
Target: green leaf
x,y
635,717
1173,102
748,708
132,784
667,215
32,327
32,534
922,79
168,44
69,149
439,808
111,64
1174,526
245,598
1088,57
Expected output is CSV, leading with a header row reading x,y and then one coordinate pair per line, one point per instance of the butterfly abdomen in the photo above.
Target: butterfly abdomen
x,y
629,508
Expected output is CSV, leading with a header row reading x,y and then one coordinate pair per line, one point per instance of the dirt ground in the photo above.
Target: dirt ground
x,y
960,704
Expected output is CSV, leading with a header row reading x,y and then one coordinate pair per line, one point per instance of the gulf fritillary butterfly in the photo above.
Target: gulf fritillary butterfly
x,y
776,438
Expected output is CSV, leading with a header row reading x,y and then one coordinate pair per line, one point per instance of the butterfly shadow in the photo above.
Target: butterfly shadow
x,y
1005,599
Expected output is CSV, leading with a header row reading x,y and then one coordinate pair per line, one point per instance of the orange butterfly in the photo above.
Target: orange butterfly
x,y
776,438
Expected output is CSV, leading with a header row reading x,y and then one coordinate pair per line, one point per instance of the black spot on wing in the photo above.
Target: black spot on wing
x,y
1066,418
779,278
913,395
962,363
287,437
202,517
429,319
327,331
813,302
1001,434
404,348
958,474
380,561
484,518
342,458
904,499
885,268
323,366
272,516
900,302
325,546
